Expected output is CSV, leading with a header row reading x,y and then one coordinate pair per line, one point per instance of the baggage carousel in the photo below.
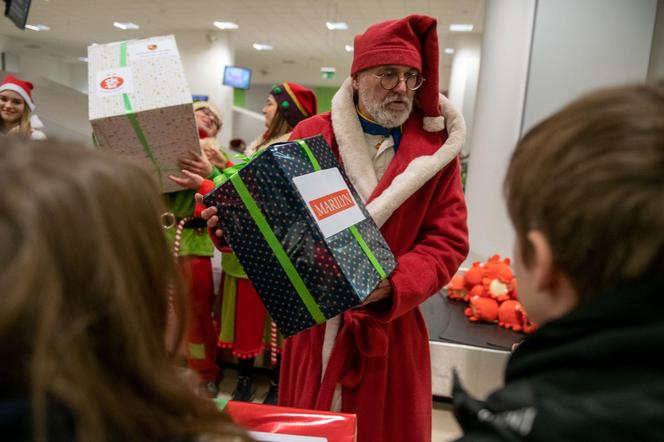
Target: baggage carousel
x,y
478,351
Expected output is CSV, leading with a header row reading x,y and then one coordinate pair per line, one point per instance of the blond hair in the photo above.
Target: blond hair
x,y
24,126
85,276
278,127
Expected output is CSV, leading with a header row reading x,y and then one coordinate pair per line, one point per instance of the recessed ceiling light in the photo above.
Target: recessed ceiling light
x,y
37,27
126,26
262,47
226,25
336,25
349,48
461,27
83,59
449,51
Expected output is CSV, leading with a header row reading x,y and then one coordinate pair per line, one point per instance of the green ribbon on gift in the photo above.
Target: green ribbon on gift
x,y
132,117
277,249
231,174
228,172
353,230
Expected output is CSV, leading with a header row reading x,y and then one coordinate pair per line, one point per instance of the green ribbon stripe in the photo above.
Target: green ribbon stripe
x,y
358,237
277,249
367,251
132,117
310,154
232,174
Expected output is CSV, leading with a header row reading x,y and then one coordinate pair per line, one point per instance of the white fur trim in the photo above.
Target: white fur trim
x,y
331,331
434,124
350,138
359,167
19,90
35,122
253,146
37,135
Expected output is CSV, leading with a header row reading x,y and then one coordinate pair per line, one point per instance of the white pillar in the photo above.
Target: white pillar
x,y
534,60
463,77
204,56
497,123
656,66
579,46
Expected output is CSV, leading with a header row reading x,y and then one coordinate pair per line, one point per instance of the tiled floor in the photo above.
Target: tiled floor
x,y
444,427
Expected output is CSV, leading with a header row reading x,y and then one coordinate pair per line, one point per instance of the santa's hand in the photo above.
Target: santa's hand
x,y
190,180
210,216
384,290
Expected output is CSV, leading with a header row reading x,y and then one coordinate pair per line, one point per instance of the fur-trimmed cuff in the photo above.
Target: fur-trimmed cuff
x,y
434,124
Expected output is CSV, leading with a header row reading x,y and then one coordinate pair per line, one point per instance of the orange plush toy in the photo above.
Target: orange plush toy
x,y
482,309
456,289
498,279
511,315
474,276
491,292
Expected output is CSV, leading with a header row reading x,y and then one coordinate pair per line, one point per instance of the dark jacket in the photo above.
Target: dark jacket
x,y
596,374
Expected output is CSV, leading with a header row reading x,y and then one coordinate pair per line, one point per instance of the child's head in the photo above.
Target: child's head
x,y
585,191
85,276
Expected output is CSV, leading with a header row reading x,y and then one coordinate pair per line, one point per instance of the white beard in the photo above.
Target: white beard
x,y
379,111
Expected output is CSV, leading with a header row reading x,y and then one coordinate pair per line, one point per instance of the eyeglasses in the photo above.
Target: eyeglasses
x,y
208,113
390,79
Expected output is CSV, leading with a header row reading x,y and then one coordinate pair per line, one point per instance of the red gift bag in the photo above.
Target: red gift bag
x,y
267,422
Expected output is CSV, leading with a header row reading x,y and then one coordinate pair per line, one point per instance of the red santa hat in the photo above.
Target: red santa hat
x,y
21,87
411,41
295,102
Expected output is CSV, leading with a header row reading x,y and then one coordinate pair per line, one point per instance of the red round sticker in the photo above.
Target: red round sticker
x,y
112,82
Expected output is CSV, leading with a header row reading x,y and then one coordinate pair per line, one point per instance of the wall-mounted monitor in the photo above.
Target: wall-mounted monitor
x,y
17,11
237,77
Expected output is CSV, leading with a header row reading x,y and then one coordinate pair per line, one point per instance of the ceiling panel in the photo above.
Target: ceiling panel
x,y
295,28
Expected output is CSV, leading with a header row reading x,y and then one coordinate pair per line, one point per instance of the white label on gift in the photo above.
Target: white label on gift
x,y
329,200
273,437
163,47
114,82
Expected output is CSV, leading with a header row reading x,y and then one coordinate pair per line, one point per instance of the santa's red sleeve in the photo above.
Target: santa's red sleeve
x,y
441,248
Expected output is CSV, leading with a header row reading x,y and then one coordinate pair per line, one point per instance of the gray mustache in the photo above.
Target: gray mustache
x,y
393,98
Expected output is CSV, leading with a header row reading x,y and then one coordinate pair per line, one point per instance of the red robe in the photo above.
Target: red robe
x,y
381,353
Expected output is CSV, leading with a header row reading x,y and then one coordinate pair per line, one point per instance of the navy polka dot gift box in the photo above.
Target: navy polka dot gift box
x,y
301,232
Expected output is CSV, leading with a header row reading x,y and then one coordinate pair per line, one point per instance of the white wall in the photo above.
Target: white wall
x,y
204,62
60,65
247,125
582,45
255,96
577,46
463,78
498,113
656,67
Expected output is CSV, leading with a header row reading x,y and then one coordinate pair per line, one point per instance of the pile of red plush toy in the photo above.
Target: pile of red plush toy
x,y
490,291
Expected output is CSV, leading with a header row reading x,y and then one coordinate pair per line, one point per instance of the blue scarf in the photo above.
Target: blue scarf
x,y
372,128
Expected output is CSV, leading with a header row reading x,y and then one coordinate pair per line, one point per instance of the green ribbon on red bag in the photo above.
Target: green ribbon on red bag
x,y
231,174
